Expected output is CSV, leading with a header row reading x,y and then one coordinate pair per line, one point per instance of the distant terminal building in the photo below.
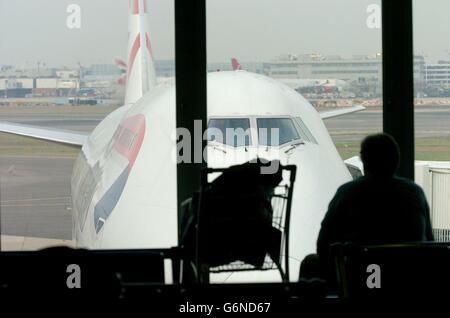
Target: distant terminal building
x,y
254,67
103,70
67,73
101,76
318,66
11,72
358,69
363,73
166,68
438,74
16,87
42,82
419,73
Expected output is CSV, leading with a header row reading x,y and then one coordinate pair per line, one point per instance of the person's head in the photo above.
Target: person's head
x,y
380,154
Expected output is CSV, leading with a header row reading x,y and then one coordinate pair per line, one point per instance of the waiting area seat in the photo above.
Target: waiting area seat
x,y
63,272
134,276
396,270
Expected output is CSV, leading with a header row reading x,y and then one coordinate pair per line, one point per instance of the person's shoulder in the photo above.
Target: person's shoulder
x,y
349,186
405,181
408,183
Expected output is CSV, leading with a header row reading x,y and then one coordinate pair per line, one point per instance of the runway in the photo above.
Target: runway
x,y
429,122
35,191
35,196
77,122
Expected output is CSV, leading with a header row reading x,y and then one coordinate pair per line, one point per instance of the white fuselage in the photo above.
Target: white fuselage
x,y
124,182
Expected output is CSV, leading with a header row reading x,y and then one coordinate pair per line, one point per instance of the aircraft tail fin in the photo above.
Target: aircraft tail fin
x,y
236,65
141,76
122,66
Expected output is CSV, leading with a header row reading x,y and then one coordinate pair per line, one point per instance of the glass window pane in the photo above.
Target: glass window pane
x,y
279,60
233,131
432,109
285,127
304,131
66,65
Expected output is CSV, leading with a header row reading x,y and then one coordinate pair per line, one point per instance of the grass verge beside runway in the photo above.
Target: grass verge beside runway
x,y
24,146
428,149
56,109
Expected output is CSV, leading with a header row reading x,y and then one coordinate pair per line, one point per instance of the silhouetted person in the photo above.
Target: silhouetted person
x,y
377,208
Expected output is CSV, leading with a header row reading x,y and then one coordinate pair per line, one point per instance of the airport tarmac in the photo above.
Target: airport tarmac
x,y
35,196
35,191
77,122
429,121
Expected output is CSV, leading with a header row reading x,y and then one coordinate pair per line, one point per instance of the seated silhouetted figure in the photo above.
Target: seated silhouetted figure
x,y
377,208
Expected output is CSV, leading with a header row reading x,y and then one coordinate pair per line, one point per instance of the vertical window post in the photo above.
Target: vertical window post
x,y
398,87
190,70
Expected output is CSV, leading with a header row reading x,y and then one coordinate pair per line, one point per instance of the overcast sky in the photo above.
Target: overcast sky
x,y
251,30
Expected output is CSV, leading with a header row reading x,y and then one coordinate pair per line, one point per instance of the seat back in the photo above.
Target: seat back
x,y
65,272
397,270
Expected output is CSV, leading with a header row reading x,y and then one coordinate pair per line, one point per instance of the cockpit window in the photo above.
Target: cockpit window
x,y
231,131
305,133
286,131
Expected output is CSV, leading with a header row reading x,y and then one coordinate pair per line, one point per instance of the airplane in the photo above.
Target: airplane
x,y
124,184
297,83
122,66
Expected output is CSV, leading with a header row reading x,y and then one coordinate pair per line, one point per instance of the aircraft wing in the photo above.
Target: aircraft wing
x,y
355,166
340,111
74,138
